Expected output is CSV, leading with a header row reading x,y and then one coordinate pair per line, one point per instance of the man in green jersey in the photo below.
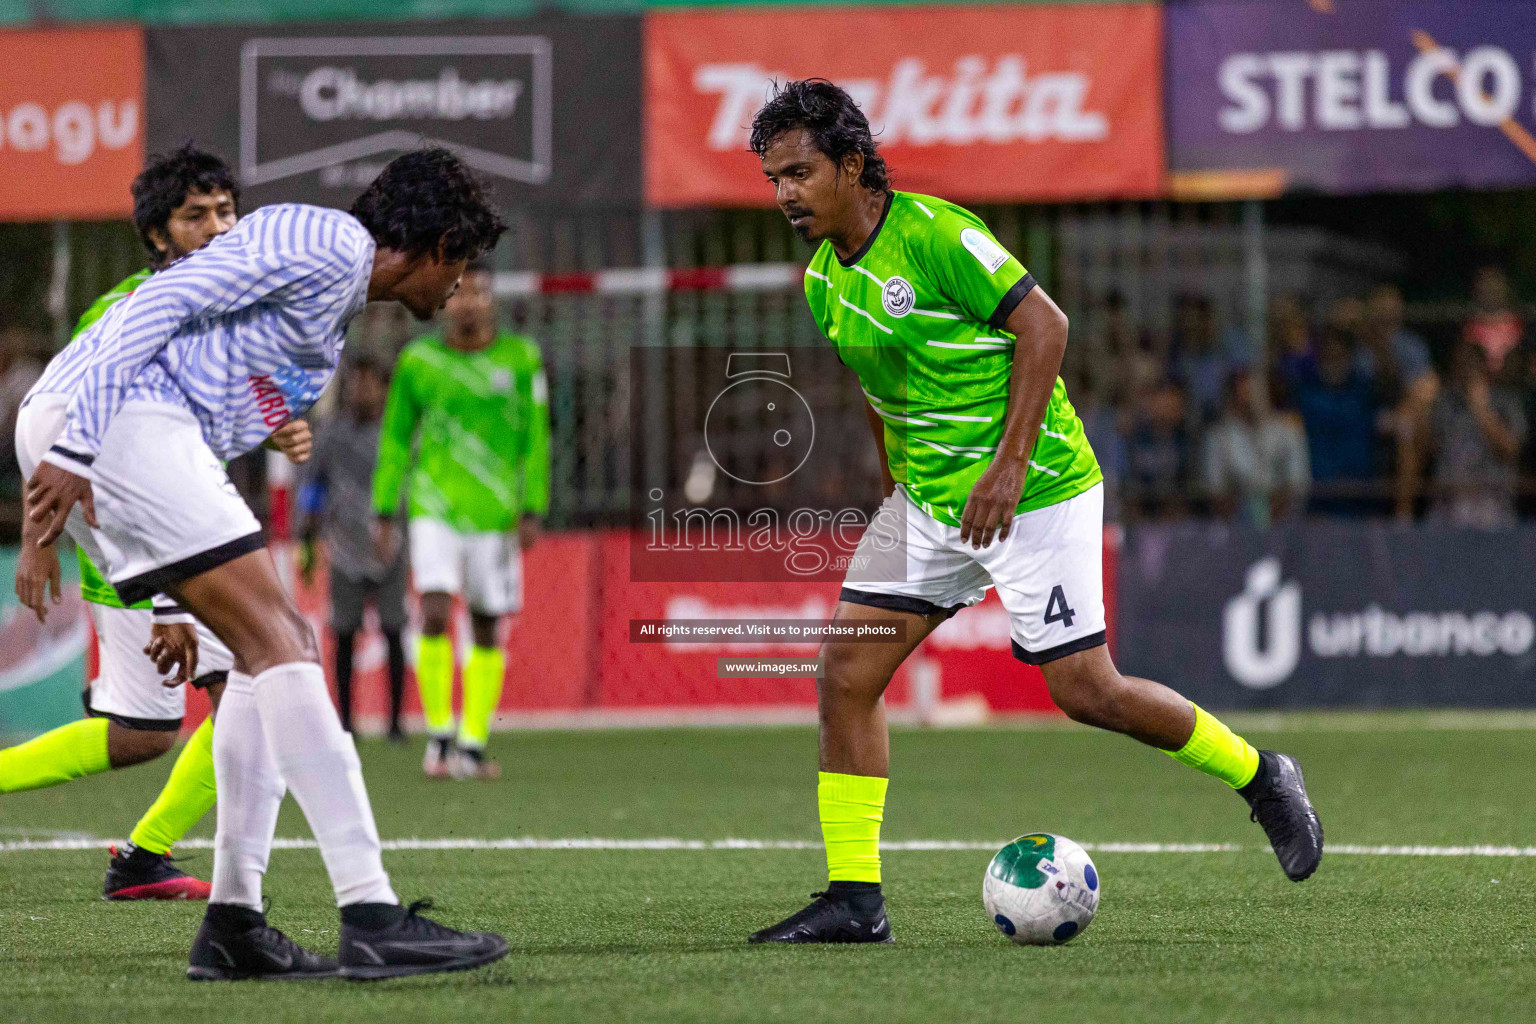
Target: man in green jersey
x,y
466,427
182,200
990,482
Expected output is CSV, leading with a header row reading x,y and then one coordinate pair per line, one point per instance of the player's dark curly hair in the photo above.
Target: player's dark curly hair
x,y
167,180
836,125
427,201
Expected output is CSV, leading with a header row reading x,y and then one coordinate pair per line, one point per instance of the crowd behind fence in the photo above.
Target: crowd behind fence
x,y
1338,399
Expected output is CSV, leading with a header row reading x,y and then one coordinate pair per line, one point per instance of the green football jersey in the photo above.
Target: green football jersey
x,y
94,587
918,314
468,433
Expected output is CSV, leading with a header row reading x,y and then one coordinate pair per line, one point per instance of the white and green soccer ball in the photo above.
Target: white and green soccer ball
x,y
1041,890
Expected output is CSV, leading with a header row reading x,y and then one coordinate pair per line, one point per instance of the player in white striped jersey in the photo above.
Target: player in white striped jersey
x,y
202,363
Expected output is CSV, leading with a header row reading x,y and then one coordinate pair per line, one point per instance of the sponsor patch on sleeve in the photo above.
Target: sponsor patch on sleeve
x,y
987,252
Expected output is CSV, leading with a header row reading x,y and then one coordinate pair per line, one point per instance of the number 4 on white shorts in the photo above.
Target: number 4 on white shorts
x,y
1056,608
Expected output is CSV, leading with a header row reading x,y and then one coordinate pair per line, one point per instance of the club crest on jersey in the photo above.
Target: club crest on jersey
x,y
898,297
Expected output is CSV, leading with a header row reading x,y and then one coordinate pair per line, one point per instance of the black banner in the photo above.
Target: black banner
x,y
1336,614
546,109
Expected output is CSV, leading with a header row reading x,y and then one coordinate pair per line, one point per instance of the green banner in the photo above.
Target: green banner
x,y
42,664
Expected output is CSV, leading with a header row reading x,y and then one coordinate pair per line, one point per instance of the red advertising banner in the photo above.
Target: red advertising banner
x,y
573,649
71,122
970,103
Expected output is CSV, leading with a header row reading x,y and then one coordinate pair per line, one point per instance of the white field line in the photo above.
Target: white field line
x,y
917,845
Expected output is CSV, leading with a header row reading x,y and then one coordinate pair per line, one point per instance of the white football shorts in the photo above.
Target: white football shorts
x,y
165,506
128,688
486,568
1049,572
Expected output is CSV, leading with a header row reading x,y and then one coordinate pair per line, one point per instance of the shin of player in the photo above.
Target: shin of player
x,y
990,482
466,433
268,304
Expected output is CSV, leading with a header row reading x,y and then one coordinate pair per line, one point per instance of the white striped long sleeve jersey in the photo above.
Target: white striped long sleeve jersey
x,y
245,333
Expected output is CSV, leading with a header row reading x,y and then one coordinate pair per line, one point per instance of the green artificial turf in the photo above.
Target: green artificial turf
x,y
658,935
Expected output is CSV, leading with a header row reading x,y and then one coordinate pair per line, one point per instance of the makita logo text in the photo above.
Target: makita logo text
x,y
978,101
337,93
270,400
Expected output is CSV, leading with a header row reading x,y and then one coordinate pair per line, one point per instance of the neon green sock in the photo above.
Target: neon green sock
x,y
434,678
71,751
852,807
483,676
185,797
1217,750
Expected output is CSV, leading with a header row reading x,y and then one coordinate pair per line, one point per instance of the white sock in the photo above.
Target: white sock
x,y
319,762
250,792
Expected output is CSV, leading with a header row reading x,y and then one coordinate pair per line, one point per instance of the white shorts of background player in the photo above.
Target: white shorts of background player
x,y
486,568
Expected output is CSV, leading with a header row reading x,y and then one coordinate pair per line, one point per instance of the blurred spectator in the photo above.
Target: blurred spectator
x,y
1200,365
1101,426
336,501
1398,359
1493,325
1133,366
1475,433
1338,405
1290,346
1256,465
1157,455
1389,349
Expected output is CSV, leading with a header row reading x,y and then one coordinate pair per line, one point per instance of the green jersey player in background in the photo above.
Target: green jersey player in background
x,y
466,430
989,482
181,201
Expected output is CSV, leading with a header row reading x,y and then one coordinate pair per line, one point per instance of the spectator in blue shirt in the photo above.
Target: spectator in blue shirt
x,y
1339,404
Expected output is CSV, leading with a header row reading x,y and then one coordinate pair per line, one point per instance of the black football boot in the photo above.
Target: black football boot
x,y
236,943
382,940
1279,801
846,912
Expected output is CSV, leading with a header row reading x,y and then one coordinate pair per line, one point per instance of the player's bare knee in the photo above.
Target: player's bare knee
x,y
846,676
278,640
127,747
1086,693
436,610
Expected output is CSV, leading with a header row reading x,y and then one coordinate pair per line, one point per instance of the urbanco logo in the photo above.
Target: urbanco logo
x,y
1262,661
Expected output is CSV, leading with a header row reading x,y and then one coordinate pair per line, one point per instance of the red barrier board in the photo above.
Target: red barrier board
x,y
572,649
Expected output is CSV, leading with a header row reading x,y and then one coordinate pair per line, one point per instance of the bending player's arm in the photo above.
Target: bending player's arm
x,y
397,432
1040,328
877,427
37,571
217,280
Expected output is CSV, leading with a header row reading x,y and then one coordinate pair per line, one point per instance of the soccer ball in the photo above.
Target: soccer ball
x,y
1041,890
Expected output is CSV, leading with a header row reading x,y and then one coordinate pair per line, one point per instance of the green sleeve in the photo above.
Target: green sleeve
x,y
121,290
972,269
536,455
402,411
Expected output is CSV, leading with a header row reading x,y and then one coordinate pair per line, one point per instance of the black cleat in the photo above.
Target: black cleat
x,y
833,917
411,944
235,944
1279,801
137,874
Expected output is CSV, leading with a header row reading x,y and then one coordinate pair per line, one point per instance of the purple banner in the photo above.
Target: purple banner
x,y
1350,95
